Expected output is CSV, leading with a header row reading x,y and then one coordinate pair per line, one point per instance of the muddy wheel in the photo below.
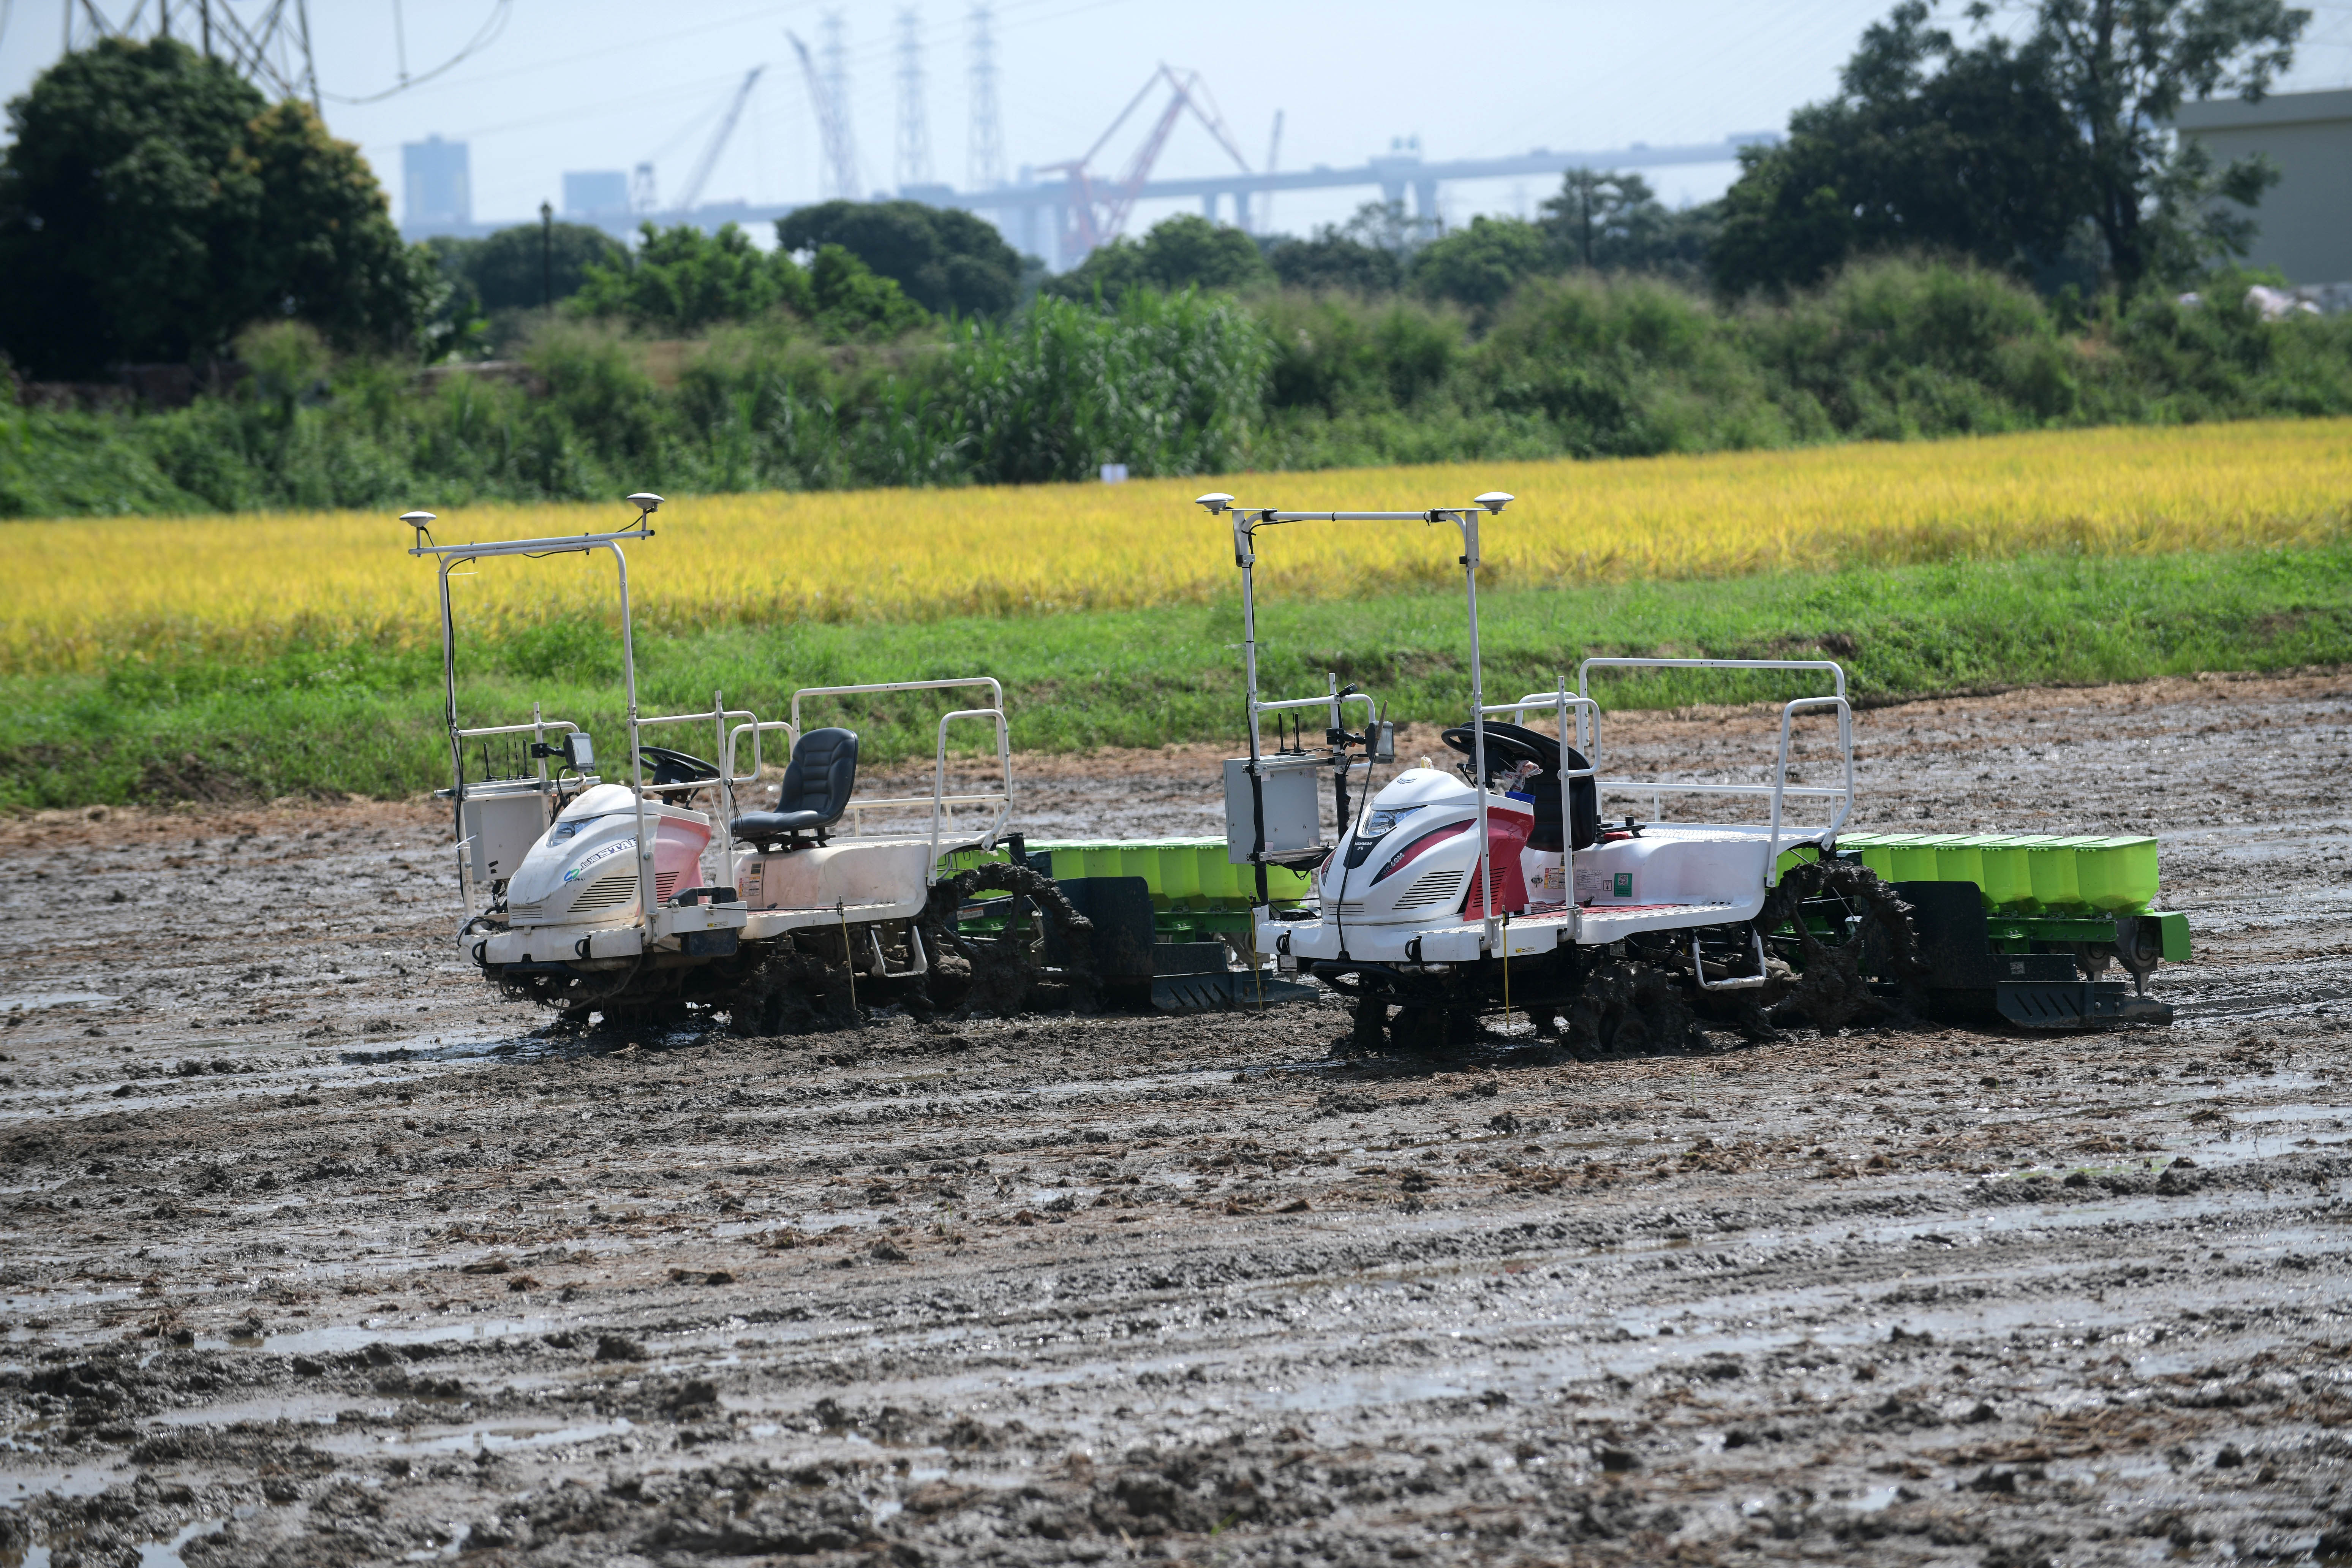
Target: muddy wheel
x,y
1004,970
1626,1008
578,998
799,988
1369,1030
1418,1030
1868,933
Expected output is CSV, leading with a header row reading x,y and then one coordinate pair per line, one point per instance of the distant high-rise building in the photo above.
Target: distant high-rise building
x,y
596,193
438,187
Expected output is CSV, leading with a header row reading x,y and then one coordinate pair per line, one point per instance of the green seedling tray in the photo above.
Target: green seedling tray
x,y
2031,874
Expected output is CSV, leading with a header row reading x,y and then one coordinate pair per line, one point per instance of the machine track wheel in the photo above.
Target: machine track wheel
x,y
1004,970
1626,1008
1869,931
1429,1030
794,992
577,998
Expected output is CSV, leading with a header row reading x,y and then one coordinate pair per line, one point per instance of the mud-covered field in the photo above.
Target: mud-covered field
x,y
316,1254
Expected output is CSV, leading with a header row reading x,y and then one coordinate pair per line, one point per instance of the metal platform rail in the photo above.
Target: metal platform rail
x,y
719,865
1562,704
1779,791
941,804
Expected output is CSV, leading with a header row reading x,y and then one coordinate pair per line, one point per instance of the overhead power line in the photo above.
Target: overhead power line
x,y
484,36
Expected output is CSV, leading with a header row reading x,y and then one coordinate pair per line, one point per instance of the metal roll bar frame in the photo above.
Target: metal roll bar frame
x,y
1246,521
1779,789
942,804
451,556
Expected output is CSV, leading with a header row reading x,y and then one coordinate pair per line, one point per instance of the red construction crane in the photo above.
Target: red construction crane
x,y
1096,211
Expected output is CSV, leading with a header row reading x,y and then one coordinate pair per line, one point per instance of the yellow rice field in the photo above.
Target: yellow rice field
x,y
78,591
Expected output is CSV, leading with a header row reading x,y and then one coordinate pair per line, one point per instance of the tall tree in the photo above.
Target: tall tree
x,y
2122,67
510,271
319,245
2012,150
680,280
1479,265
1610,221
1598,214
152,203
1186,251
946,260
1330,260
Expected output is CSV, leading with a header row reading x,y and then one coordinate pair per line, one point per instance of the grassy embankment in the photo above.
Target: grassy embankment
x,y
160,660
1889,350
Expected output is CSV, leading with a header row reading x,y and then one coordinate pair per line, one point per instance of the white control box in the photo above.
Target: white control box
x,y
503,820
1292,820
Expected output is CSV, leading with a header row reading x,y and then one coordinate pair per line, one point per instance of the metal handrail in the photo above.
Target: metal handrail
x,y
940,783
561,726
756,730
1632,787
1781,772
1779,790
719,713
728,750
996,690
939,798
1561,703
1583,671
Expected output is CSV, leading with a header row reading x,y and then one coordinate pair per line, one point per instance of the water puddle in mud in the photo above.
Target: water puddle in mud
x,y
166,1555
334,1339
64,1482
152,1554
495,1437
32,1001
2267,1115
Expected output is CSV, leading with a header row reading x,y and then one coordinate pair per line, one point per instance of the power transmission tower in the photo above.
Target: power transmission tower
x,y
914,130
272,50
844,148
987,170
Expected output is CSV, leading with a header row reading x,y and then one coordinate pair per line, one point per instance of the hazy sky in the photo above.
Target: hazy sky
x,y
605,84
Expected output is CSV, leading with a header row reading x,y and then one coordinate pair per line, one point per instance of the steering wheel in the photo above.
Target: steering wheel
x,y
675,767
1507,745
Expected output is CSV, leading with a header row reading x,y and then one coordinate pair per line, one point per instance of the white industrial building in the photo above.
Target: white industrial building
x,y
2306,220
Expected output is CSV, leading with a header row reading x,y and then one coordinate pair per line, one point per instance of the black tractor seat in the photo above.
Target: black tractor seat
x,y
818,783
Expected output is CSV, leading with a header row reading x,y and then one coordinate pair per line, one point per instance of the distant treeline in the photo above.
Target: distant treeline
x,y
1976,233
1195,382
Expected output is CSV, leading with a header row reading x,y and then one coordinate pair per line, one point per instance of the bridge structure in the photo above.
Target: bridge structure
x,y
1037,214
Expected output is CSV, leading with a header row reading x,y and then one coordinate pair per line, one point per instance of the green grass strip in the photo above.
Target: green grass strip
x,y
366,720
